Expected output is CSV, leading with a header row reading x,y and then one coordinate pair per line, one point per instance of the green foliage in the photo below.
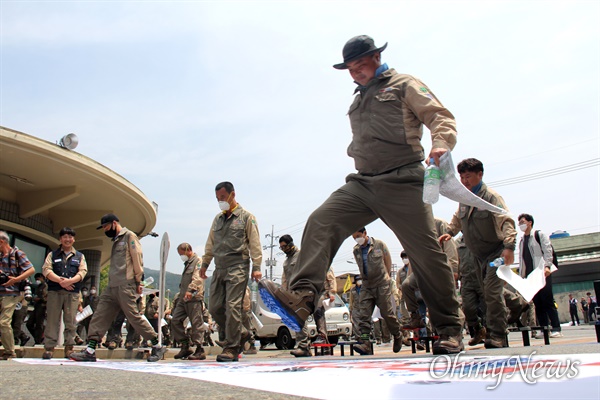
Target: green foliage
x,y
103,278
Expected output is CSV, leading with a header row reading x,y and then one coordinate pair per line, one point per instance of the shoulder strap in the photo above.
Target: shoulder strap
x,y
536,234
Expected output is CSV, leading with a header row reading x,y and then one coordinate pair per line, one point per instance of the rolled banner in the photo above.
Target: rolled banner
x,y
256,321
86,312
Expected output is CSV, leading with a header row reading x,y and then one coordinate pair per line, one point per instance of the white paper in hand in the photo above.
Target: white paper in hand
x,y
451,188
527,287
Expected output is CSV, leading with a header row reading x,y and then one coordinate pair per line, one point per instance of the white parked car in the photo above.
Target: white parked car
x,y
274,331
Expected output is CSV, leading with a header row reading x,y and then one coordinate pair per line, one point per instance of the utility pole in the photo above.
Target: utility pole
x,y
271,262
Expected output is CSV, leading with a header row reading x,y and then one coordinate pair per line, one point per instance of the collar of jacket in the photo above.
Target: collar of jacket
x,y
123,232
236,211
387,74
192,260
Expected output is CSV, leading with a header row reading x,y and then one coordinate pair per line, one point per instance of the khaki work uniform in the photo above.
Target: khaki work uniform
x,y
473,303
486,235
192,309
387,118
376,287
61,300
233,242
410,285
401,276
289,265
124,276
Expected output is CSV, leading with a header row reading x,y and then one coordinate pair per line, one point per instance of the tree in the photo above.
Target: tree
x,y
103,278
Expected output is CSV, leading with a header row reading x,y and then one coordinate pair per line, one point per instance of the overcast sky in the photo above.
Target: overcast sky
x,y
178,96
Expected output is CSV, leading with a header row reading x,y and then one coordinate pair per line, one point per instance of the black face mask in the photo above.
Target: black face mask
x,y
111,233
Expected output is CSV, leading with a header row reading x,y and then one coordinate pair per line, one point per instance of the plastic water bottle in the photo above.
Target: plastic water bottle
x,y
497,262
431,183
254,291
148,281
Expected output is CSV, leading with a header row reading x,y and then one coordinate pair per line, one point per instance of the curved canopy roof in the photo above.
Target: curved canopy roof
x,y
70,189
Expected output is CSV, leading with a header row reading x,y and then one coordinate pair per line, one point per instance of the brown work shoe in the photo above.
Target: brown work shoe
x,y
229,354
251,350
364,348
447,344
69,350
495,342
198,355
185,352
416,322
479,336
293,307
7,356
111,345
301,352
48,353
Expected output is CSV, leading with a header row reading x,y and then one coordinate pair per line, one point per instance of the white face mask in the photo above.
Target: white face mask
x,y
358,282
93,291
523,227
184,258
224,206
38,282
405,261
360,240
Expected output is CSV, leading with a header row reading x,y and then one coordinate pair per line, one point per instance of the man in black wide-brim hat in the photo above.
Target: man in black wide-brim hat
x,y
387,118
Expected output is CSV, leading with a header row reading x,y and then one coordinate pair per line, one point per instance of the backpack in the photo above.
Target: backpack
x,y
554,257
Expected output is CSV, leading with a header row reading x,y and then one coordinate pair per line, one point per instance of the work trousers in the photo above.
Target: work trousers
x,y
380,296
60,301
473,304
188,309
7,307
111,301
302,339
227,291
410,286
396,198
493,294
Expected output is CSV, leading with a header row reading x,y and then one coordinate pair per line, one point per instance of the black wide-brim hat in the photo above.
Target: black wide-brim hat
x,y
357,47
